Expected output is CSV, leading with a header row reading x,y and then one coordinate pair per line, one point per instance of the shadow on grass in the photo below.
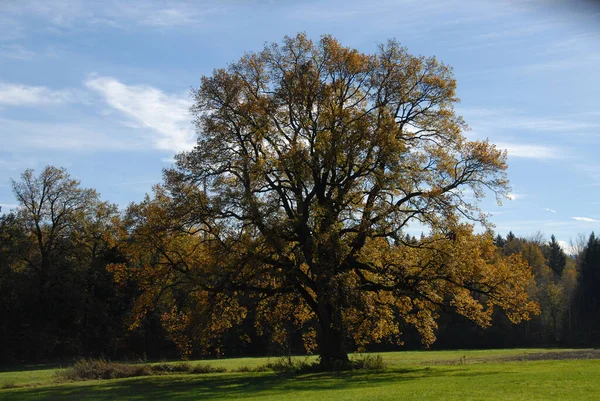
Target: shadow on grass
x,y
195,387
32,367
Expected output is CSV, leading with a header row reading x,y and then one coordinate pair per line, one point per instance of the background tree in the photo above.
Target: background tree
x,y
53,207
60,300
556,258
13,286
569,281
588,292
555,295
316,158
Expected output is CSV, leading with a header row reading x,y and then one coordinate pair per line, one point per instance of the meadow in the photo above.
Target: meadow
x,y
516,374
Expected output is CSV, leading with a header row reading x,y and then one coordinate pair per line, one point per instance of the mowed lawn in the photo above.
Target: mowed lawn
x,y
425,375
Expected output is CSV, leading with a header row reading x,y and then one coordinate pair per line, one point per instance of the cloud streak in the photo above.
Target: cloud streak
x,y
16,52
7,206
513,196
154,14
88,135
509,119
25,95
530,151
165,117
586,219
526,136
569,250
114,13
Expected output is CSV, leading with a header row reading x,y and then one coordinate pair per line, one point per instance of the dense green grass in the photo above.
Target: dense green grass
x,y
439,375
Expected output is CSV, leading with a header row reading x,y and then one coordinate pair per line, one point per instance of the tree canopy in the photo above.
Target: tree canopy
x,y
57,297
312,161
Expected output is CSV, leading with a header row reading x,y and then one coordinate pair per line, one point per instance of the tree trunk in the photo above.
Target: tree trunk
x,y
332,349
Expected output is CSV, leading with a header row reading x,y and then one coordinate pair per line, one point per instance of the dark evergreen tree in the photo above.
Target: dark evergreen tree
x,y
556,259
499,241
588,292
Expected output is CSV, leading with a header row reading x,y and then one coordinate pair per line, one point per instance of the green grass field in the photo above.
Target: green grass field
x,y
424,375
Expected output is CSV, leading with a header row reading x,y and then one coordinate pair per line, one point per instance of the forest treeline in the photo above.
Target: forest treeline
x,y
59,298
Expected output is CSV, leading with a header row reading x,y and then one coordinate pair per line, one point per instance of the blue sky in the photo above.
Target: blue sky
x,y
102,87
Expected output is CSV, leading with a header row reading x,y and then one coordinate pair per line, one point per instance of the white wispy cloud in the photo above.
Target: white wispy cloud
x,y
165,116
53,11
25,95
22,53
155,120
7,206
129,183
332,11
515,30
455,11
575,42
10,29
16,52
521,135
526,226
552,124
591,169
550,210
569,250
513,196
533,136
530,151
590,59
12,163
171,14
509,119
88,135
586,219
114,13
511,33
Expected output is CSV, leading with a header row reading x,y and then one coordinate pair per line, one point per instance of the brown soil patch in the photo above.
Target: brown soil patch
x,y
555,356
534,356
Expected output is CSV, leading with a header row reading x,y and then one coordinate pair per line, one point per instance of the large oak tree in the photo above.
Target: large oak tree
x,y
312,161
